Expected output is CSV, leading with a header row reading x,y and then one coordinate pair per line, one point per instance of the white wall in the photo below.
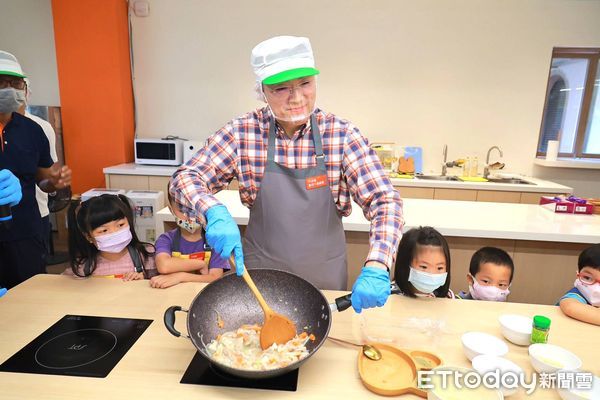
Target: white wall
x,y
468,73
27,31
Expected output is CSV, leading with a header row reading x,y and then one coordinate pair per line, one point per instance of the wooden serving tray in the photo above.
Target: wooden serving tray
x,y
396,372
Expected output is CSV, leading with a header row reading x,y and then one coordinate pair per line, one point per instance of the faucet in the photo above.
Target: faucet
x,y
486,169
444,167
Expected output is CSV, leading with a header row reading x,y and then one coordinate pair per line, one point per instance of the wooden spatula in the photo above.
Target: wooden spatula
x,y
276,327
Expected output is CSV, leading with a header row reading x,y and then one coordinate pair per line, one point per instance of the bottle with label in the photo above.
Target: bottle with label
x,y
467,167
474,167
541,329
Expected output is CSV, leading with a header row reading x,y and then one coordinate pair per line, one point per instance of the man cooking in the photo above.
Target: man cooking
x,y
298,168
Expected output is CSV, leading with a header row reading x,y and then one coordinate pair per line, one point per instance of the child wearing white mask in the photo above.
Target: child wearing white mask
x,y
583,301
103,242
423,264
490,275
183,256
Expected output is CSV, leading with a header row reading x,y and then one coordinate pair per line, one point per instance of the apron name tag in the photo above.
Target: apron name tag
x,y
315,182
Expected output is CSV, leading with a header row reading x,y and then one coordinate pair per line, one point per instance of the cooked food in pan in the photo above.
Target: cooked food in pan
x,y
241,349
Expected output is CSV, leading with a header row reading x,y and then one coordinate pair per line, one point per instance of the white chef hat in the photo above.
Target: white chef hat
x,y
282,58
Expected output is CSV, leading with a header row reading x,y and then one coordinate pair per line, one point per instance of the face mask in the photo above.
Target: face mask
x,y
114,242
190,226
489,293
426,282
590,292
11,99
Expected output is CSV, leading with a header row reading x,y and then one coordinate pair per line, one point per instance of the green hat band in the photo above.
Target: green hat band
x,y
289,75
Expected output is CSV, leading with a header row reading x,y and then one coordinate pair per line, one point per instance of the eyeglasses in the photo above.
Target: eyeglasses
x,y
281,92
17,83
587,279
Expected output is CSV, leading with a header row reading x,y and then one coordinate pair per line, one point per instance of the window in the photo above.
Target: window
x,y
572,107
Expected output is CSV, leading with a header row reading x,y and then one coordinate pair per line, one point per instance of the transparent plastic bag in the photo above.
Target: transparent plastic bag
x,y
408,333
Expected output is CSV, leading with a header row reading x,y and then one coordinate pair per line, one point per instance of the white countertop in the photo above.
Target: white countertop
x,y
459,219
137,169
540,186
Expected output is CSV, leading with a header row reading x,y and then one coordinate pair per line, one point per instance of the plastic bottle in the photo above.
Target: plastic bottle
x,y
474,166
541,329
467,167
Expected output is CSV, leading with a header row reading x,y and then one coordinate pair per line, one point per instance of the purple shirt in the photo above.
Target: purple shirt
x,y
165,241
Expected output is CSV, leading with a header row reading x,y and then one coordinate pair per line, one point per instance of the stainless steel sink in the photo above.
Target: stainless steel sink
x,y
510,180
437,177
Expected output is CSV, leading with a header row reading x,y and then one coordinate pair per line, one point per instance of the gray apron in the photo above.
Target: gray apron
x,y
294,224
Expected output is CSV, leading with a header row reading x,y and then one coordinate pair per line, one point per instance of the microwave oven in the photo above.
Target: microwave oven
x,y
158,151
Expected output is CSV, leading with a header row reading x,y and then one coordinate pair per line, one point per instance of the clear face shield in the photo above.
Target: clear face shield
x,y
292,101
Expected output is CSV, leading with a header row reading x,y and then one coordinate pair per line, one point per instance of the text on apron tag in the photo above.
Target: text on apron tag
x,y
315,182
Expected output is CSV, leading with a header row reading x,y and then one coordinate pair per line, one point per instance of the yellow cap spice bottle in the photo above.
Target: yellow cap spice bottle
x,y
541,329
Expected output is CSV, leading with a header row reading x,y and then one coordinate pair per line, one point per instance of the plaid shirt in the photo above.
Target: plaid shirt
x,y
239,150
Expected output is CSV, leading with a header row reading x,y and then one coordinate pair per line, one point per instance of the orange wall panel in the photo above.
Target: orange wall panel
x,y
92,51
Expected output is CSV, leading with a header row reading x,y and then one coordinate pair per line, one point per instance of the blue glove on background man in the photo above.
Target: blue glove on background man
x,y
10,188
223,235
372,288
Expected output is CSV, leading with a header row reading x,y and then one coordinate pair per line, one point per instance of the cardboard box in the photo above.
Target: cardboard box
x,y
557,205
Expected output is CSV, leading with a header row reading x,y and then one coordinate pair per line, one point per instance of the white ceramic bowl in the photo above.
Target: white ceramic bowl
x,y
451,392
478,343
516,328
485,363
577,394
551,358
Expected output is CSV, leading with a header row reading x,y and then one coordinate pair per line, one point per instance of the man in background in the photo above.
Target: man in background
x,y
24,151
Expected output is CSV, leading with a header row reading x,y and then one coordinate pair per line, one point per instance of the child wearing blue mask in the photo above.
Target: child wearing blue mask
x,y
183,256
423,264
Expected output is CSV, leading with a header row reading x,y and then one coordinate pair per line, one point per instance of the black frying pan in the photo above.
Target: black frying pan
x,y
231,299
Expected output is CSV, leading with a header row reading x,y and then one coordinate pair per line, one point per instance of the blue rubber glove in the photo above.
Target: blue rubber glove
x,y
10,188
3,291
223,235
372,288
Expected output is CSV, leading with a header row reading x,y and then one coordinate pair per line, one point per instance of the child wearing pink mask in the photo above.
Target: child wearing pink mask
x,y
103,242
490,275
583,301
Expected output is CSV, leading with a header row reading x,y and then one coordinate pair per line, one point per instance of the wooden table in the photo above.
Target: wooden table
x,y
154,366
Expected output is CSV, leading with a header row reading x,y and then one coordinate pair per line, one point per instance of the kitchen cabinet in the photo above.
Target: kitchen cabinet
x,y
455,194
159,183
533,198
498,196
415,192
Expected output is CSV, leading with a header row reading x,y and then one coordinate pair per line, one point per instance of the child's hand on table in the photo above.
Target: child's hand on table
x,y
133,276
165,281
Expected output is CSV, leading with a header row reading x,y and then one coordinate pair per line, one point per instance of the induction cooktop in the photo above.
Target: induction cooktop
x,y
78,345
202,372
